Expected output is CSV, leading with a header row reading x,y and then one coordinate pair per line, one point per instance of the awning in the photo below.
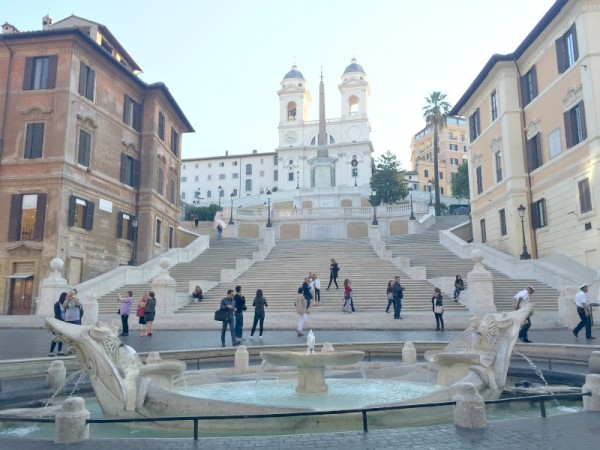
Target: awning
x,y
20,276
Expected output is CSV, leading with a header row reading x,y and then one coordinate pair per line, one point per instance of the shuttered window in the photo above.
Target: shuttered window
x,y
538,214
27,217
585,197
34,140
161,126
130,171
474,125
87,81
160,181
174,142
84,148
81,213
575,129
132,113
124,227
479,178
566,49
529,89
534,153
40,72
502,218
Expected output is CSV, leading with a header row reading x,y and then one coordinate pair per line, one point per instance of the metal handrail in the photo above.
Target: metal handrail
x,y
363,411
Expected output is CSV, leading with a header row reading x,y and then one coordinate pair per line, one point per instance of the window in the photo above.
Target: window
x,y
454,147
160,180
130,171
261,173
248,185
234,192
464,148
196,178
248,169
462,138
566,50
171,236
494,105
34,140
27,216
291,111
84,146
474,125
479,179
275,160
483,231
208,194
502,217
222,193
353,105
235,175
40,72
426,173
290,176
442,191
534,153
498,162
538,214
234,163
87,81
209,165
209,177
158,231
221,176
575,130
196,166
81,213
276,175
183,196
184,179
221,164
450,135
132,113
441,175
585,196
161,127
174,141
529,86
124,227
454,161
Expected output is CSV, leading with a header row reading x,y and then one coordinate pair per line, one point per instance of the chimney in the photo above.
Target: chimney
x,y
254,152
7,28
226,152
46,22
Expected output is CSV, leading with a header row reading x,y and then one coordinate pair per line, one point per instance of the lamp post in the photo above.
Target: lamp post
x,y
134,225
430,198
412,214
269,224
521,211
373,196
297,179
231,215
220,190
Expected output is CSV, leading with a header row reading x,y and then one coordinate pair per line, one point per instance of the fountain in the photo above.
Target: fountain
x,y
311,365
125,387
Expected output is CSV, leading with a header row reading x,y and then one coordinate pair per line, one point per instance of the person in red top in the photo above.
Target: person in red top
x,y
348,306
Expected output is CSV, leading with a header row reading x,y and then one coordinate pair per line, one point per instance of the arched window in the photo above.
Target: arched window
x,y
291,111
248,169
353,105
331,139
208,194
235,192
248,185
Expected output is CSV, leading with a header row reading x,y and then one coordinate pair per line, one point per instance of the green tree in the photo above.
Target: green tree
x,y
435,113
460,182
388,181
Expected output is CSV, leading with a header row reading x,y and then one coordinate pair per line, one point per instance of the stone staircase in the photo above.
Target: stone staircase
x,y
424,250
284,269
221,254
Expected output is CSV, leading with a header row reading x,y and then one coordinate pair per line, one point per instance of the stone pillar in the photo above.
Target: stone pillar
x,y
567,311
592,385
90,309
165,289
70,425
594,362
409,353
479,295
56,375
374,234
242,360
50,289
469,411
269,239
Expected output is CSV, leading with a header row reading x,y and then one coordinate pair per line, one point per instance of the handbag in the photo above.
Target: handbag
x,y
119,311
221,315
140,311
438,309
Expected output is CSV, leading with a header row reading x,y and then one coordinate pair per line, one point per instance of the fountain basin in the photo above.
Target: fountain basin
x,y
311,366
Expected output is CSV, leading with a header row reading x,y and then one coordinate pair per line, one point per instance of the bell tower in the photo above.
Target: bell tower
x,y
294,100
354,94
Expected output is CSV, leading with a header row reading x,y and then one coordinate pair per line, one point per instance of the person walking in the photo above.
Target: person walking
x,y
519,300
59,314
437,305
227,305
150,312
334,269
398,293
317,288
390,295
139,312
259,304
459,285
301,311
583,309
219,231
306,292
347,306
124,311
239,304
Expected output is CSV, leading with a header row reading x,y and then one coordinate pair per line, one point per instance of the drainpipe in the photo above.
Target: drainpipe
x,y
5,105
532,233
137,188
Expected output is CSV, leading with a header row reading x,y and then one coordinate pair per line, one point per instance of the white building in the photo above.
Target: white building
x,y
292,165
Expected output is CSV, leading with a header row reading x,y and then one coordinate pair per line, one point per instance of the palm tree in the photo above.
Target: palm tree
x,y
435,114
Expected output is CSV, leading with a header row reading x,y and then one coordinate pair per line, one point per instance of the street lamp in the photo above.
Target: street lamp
x,y
430,199
197,197
412,214
521,211
373,201
134,226
220,191
297,179
231,215
269,224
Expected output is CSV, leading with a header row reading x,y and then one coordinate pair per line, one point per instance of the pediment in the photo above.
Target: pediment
x,y
24,248
37,113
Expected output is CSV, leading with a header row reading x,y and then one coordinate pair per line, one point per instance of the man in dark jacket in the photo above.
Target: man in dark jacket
x,y
397,292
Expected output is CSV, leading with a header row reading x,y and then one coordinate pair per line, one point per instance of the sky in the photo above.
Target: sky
x,y
224,60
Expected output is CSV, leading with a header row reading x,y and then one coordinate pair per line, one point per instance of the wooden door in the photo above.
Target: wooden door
x,y
20,295
75,266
